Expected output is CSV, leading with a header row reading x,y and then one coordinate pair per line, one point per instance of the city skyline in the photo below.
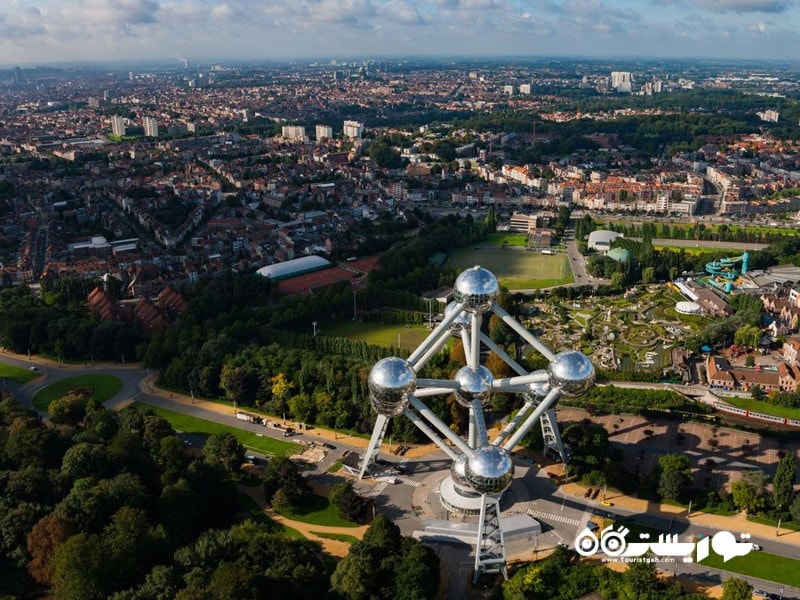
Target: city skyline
x,y
57,31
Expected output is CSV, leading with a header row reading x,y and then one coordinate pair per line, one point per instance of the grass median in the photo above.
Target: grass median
x,y
317,510
103,387
17,374
203,428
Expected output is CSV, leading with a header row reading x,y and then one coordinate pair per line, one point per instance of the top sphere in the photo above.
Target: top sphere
x,y
461,321
572,372
390,382
472,384
490,470
458,471
476,289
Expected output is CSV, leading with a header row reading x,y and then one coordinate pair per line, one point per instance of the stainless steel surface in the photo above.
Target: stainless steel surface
x,y
391,380
540,388
473,384
461,322
489,469
476,289
572,372
458,471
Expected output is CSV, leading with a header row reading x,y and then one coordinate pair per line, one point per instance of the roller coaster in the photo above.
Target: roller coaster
x,y
725,271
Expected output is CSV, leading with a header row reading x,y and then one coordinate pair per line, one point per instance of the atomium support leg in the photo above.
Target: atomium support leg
x,y
490,553
530,402
476,413
378,431
522,332
423,427
546,403
428,414
552,437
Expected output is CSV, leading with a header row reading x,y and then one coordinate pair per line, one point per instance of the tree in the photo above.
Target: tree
x,y
783,483
750,361
648,274
44,540
82,569
749,491
225,450
640,582
757,392
417,574
794,509
671,485
617,280
68,410
736,589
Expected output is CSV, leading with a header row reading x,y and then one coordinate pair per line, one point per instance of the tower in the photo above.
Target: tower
x,y
150,127
481,471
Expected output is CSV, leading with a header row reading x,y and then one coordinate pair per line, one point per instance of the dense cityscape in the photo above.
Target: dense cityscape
x,y
247,350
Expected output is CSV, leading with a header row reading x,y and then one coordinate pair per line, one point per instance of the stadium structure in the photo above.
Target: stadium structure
x,y
480,470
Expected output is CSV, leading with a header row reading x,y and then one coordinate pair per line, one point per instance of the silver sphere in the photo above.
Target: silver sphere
x,y
490,470
540,389
476,289
390,382
473,384
572,372
458,471
460,322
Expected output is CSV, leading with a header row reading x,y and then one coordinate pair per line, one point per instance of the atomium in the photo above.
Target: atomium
x,y
481,470
489,470
391,380
476,289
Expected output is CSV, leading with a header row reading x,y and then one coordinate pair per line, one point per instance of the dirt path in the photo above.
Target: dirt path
x,y
332,547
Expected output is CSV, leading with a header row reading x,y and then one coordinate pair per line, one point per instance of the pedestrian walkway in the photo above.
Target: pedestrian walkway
x,y
377,490
537,514
410,482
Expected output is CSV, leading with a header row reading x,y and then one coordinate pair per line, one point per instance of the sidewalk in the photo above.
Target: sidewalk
x,y
328,435
735,524
40,360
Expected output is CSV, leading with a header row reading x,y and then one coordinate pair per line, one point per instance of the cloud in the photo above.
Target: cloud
x,y
742,6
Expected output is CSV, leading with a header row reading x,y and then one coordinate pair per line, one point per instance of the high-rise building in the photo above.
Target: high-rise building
x,y
118,125
525,88
353,130
295,133
324,132
508,89
17,75
621,81
150,127
247,114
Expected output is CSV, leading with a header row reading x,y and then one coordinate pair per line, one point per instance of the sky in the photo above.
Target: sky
x,y
58,31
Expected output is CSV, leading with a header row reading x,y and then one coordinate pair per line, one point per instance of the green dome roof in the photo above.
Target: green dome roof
x,y
619,254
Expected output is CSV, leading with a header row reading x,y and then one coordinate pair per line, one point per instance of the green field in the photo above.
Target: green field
x,y
259,516
201,427
697,250
339,537
763,565
507,239
317,510
764,407
411,336
516,269
17,374
105,387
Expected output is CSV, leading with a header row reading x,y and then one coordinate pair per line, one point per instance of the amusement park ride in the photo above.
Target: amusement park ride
x,y
724,272
481,471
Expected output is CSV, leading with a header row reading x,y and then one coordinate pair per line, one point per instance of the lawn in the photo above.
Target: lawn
x,y
317,510
259,516
696,250
105,387
17,374
507,239
764,407
516,269
377,334
201,427
763,565
335,466
339,537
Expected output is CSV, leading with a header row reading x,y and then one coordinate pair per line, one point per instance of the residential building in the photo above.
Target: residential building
x,y
353,130
150,127
621,81
118,125
324,132
294,133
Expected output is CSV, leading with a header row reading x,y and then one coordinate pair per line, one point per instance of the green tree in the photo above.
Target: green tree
x,y
82,569
640,582
749,492
783,482
225,450
648,274
736,589
794,509
671,485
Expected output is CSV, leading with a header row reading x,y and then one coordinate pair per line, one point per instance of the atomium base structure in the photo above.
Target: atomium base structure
x,y
481,471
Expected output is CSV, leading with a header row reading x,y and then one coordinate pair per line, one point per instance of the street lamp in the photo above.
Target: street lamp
x,y
398,339
314,323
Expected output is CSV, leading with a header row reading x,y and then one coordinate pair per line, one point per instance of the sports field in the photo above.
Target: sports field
x,y
375,333
516,269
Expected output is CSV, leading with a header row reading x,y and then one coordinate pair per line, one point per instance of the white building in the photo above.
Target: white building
x,y
621,81
118,125
525,89
508,89
150,127
353,130
295,133
324,132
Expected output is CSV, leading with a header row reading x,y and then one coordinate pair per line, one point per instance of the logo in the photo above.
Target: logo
x,y
613,543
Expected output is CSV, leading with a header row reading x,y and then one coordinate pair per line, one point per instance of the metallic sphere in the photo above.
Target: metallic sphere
x,y
390,382
458,471
473,384
540,389
460,322
572,372
476,289
490,470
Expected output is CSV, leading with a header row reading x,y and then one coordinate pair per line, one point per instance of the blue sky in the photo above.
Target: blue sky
x,y
48,31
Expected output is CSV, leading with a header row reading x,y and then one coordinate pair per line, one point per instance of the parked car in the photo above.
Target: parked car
x,y
552,475
289,432
607,503
757,547
760,594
